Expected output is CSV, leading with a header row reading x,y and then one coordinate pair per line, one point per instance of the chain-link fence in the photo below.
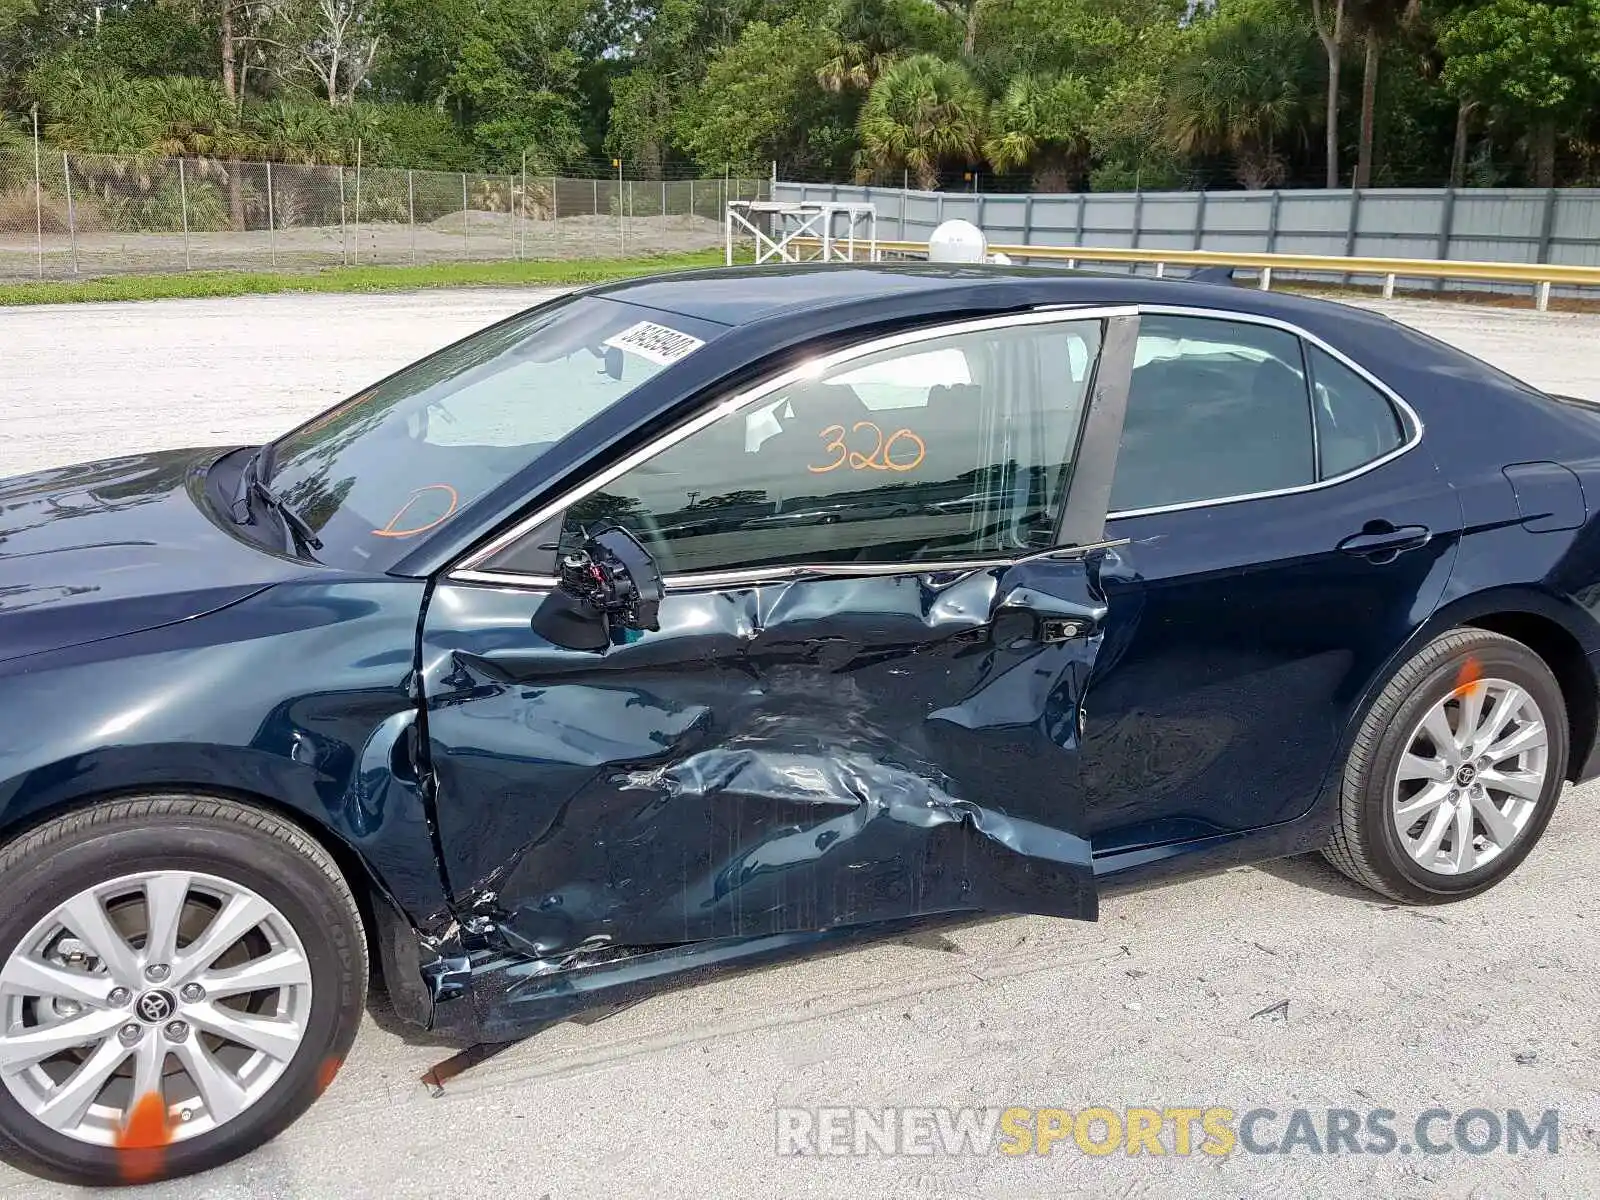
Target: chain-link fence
x,y
65,214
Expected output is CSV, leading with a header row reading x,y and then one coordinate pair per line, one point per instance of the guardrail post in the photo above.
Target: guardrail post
x,y
1388,286
1266,279
1161,270
1542,303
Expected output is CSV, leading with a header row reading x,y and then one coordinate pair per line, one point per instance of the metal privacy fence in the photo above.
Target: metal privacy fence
x,y
64,215
1543,225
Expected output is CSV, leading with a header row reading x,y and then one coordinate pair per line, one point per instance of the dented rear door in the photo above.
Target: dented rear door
x,y
864,699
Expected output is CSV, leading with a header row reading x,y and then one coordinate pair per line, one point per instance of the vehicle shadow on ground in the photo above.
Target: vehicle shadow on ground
x,y
1314,871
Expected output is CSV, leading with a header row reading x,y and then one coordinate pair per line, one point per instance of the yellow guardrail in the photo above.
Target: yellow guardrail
x,y
1540,276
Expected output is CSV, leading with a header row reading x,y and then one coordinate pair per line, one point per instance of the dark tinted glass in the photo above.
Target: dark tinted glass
x,y
1216,408
1355,421
947,448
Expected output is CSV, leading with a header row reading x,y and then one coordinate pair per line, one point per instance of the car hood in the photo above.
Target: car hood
x,y
114,547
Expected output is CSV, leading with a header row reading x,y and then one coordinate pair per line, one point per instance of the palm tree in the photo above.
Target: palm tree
x,y
200,121
1043,121
922,111
852,65
1241,90
197,119
865,37
296,131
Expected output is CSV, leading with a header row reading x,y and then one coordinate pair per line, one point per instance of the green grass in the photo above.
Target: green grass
x,y
350,279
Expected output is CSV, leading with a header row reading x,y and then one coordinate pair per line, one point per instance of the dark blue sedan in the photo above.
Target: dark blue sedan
x,y
708,619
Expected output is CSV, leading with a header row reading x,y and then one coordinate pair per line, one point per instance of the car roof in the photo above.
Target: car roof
x,y
737,296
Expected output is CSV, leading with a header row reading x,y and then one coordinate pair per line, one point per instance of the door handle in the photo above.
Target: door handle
x,y
1382,541
1062,629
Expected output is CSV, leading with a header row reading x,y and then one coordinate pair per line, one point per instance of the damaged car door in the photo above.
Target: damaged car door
x,y
844,684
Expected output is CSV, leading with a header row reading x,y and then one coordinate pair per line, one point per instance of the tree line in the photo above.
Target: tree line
x,y
1050,95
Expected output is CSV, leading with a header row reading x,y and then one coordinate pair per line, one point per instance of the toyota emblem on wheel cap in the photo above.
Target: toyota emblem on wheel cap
x,y
156,1006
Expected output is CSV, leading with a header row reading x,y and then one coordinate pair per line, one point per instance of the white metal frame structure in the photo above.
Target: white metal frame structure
x,y
805,230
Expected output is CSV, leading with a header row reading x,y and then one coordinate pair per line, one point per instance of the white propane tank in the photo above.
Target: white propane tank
x,y
958,241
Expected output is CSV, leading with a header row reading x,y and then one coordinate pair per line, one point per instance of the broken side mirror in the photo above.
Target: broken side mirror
x,y
609,581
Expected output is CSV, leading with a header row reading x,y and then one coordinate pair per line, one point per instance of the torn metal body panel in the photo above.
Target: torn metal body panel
x,y
800,756
513,997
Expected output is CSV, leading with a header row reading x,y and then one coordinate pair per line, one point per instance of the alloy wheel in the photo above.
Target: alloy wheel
x,y
170,984
1470,777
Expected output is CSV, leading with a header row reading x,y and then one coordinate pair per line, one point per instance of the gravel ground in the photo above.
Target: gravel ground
x,y
1490,1003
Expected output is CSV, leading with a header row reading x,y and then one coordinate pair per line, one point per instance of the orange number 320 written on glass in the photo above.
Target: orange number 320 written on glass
x,y
880,458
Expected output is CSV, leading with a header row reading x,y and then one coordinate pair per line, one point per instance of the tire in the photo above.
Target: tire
x,y
1366,845
211,857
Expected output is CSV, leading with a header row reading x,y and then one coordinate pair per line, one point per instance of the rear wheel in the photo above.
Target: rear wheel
x,y
1455,772
182,977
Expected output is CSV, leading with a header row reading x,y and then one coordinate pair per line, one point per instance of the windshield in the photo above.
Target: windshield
x,y
394,462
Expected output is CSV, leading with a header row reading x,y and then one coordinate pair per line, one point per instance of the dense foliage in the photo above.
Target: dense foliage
x,y
1044,94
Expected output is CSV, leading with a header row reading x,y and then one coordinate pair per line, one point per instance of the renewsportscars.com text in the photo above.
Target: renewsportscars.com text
x,y
1214,1131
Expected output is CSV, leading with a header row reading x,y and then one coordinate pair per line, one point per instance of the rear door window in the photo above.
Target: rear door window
x,y
1216,409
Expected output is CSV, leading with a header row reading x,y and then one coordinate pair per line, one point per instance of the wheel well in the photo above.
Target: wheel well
x,y
1564,655
362,885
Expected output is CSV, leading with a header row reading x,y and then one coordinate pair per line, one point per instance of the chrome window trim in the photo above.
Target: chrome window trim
x,y
474,559
752,576
1408,415
467,571
505,579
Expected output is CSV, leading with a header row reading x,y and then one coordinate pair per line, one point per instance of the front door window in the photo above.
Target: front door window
x,y
945,448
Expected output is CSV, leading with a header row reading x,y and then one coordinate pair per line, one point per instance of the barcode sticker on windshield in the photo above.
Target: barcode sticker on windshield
x,y
656,342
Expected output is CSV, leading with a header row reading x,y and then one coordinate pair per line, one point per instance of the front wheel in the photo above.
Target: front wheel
x,y
182,977
1455,771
